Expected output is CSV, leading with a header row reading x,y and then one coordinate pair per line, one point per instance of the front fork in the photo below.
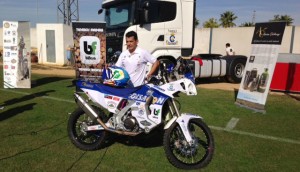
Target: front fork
x,y
182,119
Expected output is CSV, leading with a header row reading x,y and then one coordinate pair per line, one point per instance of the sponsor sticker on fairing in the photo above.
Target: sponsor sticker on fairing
x,y
116,98
108,96
138,97
111,105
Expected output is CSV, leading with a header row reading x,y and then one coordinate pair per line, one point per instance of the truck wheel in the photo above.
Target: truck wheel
x,y
236,71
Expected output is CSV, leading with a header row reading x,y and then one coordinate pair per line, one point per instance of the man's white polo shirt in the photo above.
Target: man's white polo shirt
x,y
136,64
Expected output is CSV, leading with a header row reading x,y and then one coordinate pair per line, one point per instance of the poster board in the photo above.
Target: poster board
x,y
89,50
16,54
255,84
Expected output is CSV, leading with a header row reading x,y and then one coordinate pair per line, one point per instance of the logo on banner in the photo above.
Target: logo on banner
x,y
90,50
268,33
6,25
261,32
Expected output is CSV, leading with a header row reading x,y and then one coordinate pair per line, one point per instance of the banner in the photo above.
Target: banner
x,y
260,65
89,50
16,54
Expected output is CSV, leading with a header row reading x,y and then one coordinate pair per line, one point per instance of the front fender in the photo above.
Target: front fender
x,y
183,122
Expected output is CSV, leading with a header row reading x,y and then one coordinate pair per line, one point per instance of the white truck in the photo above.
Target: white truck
x,y
166,29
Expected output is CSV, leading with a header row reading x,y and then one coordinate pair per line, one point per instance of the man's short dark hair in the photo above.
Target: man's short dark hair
x,y
132,33
227,45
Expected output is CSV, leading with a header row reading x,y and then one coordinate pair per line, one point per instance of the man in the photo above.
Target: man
x,y
229,50
134,60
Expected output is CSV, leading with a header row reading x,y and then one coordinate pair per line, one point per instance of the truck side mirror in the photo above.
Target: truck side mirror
x,y
145,12
100,11
146,5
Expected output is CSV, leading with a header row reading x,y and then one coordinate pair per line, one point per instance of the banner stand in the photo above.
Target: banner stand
x,y
259,69
16,54
89,50
251,106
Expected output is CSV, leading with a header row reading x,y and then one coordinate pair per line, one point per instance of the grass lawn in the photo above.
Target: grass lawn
x,y
34,137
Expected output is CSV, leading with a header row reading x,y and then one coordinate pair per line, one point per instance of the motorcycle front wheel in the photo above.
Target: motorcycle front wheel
x,y
185,156
84,140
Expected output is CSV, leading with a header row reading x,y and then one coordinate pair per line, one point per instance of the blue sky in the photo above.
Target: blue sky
x,y
45,11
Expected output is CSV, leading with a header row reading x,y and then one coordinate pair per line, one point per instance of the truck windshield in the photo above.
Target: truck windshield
x,y
118,16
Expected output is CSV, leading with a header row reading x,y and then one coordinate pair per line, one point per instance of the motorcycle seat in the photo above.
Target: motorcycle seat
x,y
117,91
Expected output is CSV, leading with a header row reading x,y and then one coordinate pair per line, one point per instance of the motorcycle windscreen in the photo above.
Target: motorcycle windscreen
x,y
185,68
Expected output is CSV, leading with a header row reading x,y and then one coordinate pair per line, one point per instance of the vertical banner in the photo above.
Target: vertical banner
x,y
260,65
16,54
89,49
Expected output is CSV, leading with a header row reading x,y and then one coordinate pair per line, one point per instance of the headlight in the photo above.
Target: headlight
x,y
191,89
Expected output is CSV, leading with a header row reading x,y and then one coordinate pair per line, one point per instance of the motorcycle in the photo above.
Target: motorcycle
x,y
187,141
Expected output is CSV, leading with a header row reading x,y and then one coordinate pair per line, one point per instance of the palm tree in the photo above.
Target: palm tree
x,y
211,23
197,22
247,24
227,19
284,18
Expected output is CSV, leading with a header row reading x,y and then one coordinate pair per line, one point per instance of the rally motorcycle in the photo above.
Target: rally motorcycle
x,y
188,142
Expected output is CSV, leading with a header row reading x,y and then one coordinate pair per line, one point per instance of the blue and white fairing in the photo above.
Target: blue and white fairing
x,y
147,118
111,98
106,96
183,85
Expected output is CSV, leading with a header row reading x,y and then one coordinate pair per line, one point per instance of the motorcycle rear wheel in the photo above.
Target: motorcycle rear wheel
x,y
183,156
84,140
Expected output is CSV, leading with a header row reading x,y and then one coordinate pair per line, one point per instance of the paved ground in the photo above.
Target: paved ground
x,y
67,71
217,83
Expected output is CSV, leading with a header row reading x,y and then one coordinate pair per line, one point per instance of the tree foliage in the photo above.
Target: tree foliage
x,y
197,22
211,23
227,19
247,24
284,18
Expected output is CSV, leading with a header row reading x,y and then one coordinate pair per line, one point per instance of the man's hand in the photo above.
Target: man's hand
x,y
154,68
148,77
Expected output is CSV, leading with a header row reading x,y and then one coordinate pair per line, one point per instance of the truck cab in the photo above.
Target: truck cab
x,y
165,27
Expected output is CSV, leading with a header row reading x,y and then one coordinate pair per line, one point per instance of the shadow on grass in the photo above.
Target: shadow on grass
x,y
26,98
296,97
73,83
210,80
33,149
46,80
15,111
151,140
20,109
236,91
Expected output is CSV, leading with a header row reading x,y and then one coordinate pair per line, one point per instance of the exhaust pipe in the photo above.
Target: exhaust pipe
x,y
88,109
91,113
85,106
